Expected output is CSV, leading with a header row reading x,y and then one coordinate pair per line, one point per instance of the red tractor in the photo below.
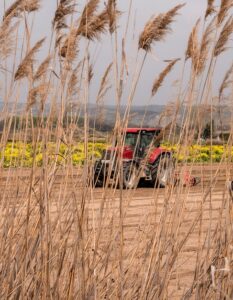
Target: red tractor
x,y
141,157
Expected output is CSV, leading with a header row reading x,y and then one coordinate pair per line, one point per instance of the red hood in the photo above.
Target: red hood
x,y
155,153
126,150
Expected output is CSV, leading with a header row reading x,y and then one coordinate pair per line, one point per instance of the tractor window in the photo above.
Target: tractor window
x,y
131,139
146,139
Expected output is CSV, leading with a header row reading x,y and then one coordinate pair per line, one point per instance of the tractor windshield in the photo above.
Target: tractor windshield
x,y
141,139
131,139
146,139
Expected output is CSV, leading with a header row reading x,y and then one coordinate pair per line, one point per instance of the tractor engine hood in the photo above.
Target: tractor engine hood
x,y
155,153
127,152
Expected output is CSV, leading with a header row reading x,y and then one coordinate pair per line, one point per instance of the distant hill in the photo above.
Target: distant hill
x,y
137,113
107,112
105,116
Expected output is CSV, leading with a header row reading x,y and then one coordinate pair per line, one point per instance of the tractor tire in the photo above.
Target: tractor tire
x,y
98,183
100,175
131,176
162,171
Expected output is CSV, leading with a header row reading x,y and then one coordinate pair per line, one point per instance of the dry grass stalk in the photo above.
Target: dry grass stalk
x,y
65,8
166,116
37,94
90,73
159,81
42,69
25,67
156,28
223,11
103,85
227,81
210,8
224,37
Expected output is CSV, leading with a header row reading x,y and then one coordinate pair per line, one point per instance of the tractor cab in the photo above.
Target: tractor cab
x,y
138,140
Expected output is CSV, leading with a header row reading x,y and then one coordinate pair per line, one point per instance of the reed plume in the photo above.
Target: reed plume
x,y
112,14
223,11
30,5
156,28
37,94
7,37
95,26
25,67
59,40
227,81
224,37
13,10
42,69
69,50
192,48
166,115
88,12
159,81
210,8
204,48
104,82
22,5
90,26
65,8
72,87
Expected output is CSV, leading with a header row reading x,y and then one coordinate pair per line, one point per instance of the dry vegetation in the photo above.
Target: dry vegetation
x,y
60,238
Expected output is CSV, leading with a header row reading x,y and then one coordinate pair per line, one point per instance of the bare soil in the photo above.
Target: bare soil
x,y
129,222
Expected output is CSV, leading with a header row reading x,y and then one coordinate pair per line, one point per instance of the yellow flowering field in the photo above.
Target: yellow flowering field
x,y
201,154
21,154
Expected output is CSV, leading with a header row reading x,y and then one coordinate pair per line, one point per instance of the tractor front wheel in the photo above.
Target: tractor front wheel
x,y
162,171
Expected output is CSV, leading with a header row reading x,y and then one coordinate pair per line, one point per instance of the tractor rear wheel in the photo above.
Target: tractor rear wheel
x,y
162,171
130,176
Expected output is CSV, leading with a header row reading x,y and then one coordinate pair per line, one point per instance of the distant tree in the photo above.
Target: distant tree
x,y
206,134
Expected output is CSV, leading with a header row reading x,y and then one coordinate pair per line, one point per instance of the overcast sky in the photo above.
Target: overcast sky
x,y
174,46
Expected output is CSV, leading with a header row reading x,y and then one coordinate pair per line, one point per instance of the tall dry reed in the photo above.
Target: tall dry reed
x,y
60,237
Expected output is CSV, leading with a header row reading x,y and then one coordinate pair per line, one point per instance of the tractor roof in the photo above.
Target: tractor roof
x,y
136,130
